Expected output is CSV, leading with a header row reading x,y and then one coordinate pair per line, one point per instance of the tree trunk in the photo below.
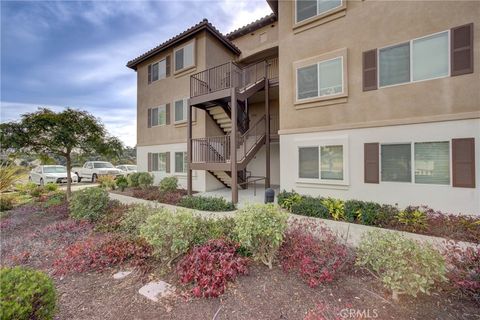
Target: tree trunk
x,y
69,176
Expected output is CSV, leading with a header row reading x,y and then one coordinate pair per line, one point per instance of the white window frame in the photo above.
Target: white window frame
x,y
159,74
410,42
342,3
175,57
318,143
185,164
413,165
185,109
162,167
328,96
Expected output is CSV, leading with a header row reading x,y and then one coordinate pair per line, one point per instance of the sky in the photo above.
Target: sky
x,y
60,54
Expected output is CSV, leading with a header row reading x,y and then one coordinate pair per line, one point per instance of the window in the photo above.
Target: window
x,y
322,163
181,110
396,162
159,70
162,162
308,162
306,9
319,80
395,64
181,162
420,59
159,116
430,57
432,162
332,162
184,57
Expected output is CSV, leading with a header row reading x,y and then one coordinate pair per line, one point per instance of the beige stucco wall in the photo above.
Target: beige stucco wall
x,y
250,44
373,24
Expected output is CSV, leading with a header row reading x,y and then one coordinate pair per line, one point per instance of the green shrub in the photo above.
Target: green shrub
x,y
26,188
133,179
145,180
135,217
6,202
38,191
206,203
312,207
260,229
413,218
51,187
210,229
170,234
122,182
364,212
26,294
9,174
169,184
107,182
403,265
55,199
88,203
287,199
336,208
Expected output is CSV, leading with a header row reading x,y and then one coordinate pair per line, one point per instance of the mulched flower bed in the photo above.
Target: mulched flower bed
x,y
37,237
154,194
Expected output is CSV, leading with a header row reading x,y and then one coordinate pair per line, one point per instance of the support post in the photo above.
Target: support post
x,y
189,148
233,145
267,133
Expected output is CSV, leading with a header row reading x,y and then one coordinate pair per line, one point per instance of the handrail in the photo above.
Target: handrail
x,y
225,76
251,138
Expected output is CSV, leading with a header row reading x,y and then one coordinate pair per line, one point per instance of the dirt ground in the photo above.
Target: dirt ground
x,y
263,294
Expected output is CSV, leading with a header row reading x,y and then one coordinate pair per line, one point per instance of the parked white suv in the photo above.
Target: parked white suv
x,y
50,174
91,170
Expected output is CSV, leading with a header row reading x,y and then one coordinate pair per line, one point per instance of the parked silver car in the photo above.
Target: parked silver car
x,y
127,168
50,174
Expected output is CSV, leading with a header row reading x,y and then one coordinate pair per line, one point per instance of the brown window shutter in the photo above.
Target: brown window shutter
x,y
167,113
463,162
149,118
167,162
371,162
149,73
461,46
369,63
167,66
149,165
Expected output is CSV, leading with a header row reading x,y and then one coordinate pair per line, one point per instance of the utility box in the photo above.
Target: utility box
x,y
269,195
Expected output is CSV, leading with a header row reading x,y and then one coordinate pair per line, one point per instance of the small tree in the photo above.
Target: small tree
x,y
59,134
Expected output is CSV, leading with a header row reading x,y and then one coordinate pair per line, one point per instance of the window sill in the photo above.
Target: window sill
x,y
158,125
320,19
343,185
184,71
321,102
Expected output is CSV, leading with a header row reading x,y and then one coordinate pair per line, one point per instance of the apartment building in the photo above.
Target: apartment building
x,y
369,100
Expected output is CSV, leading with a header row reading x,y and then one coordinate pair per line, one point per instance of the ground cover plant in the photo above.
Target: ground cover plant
x,y
26,294
206,203
418,219
403,265
210,266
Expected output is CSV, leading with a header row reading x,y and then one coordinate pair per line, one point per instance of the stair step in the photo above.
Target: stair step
x,y
216,110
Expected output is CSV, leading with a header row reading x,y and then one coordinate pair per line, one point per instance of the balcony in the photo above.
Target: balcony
x,y
231,75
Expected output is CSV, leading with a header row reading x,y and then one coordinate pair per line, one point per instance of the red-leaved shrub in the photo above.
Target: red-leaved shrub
x,y
98,253
463,265
210,266
314,253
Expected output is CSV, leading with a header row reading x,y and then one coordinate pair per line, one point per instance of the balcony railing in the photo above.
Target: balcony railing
x,y
272,68
226,76
211,149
